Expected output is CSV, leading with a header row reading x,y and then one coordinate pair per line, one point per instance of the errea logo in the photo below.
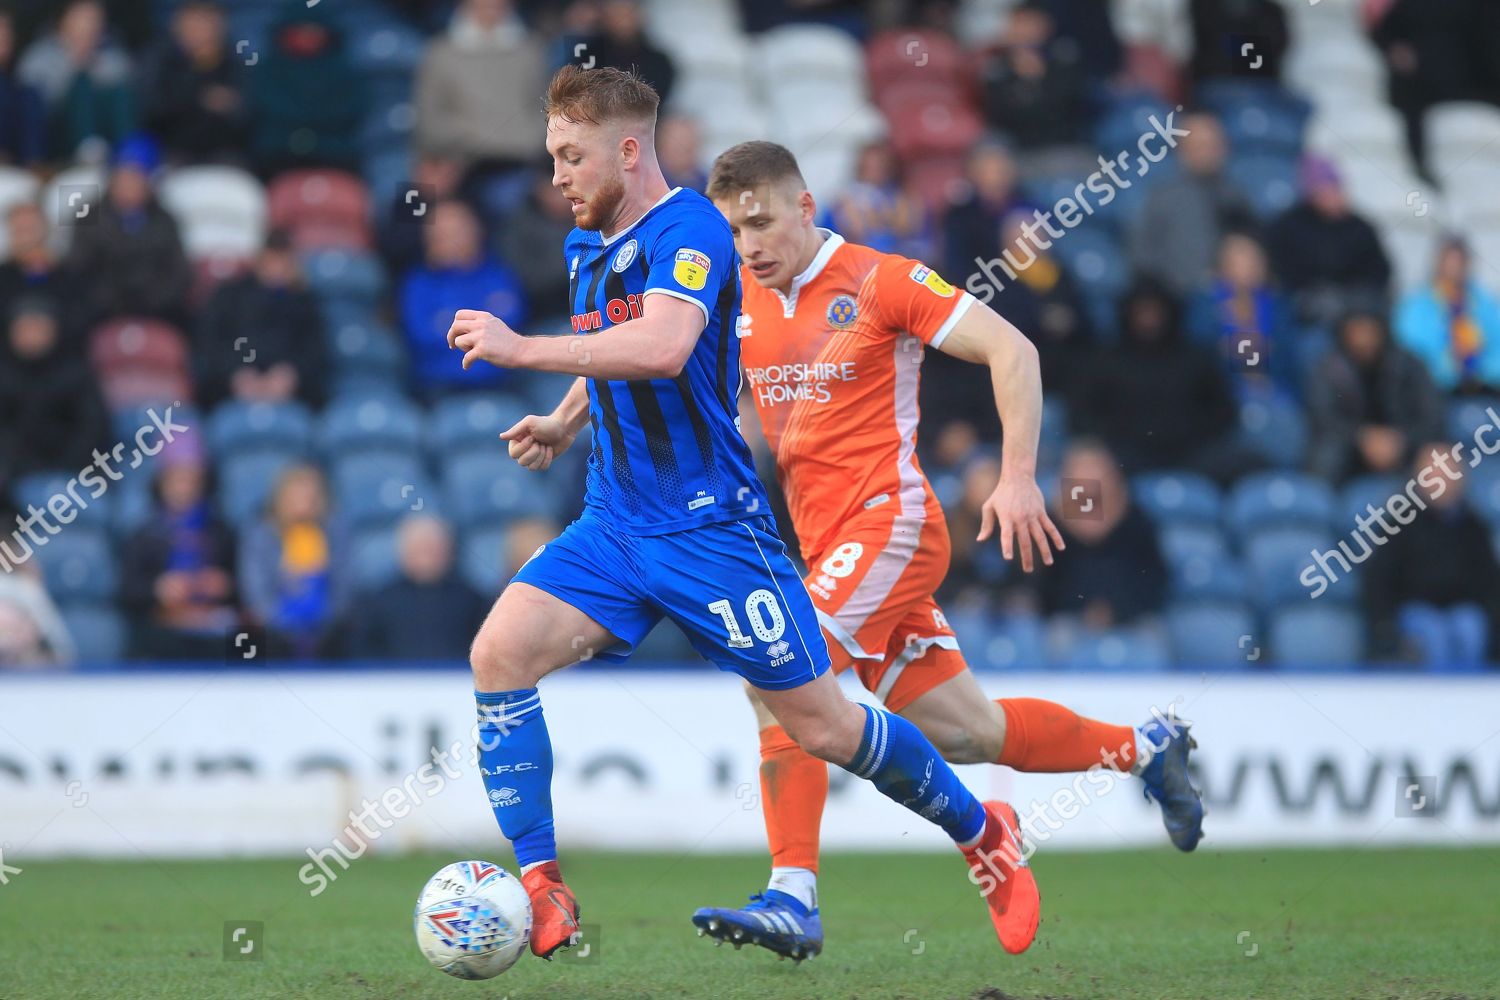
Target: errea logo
x,y
780,652
501,797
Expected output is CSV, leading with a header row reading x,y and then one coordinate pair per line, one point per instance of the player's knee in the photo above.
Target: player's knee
x,y
501,663
973,738
821,743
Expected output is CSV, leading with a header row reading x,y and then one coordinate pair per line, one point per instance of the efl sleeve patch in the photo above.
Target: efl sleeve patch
x,y
691,269
924,275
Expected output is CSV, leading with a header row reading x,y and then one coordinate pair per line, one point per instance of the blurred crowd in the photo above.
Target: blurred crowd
x,y
265,214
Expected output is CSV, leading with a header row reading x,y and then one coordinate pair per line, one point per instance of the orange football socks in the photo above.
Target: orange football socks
x,y
793,788
1044,737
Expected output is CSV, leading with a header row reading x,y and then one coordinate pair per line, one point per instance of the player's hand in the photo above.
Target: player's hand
x,y
535,441
484,336
1018,509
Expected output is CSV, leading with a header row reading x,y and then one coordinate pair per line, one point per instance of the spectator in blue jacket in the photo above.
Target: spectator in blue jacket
x,y
1246,318
1453,325
456,274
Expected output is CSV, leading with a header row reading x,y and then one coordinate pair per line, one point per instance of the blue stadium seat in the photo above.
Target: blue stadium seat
x,y
1178,497
1276,559
1483,485
359,348
128,422
1099,265
79,566
1276,429
1364,492
379,488
1054,436
238,427
1269,179
999,642
386,423
372,557
1317,637
246,481
1273,499
1200,564
486,487
1123,650
38,488
1465,416
98,632
339,275
482,559
132,504
386,48
473,422
1127,119
1213,634
1260,116
389,123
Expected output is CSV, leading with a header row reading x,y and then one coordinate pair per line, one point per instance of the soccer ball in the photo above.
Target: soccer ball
x,y
473,920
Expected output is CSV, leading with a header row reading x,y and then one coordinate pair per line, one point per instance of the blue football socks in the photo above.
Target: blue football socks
x,y
515,759
901,762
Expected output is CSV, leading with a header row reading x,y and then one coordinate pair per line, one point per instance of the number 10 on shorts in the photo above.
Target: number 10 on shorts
x,y
758,605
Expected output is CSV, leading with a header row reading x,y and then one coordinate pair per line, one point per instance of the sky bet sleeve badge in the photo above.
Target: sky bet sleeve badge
x,y
923,275
691,269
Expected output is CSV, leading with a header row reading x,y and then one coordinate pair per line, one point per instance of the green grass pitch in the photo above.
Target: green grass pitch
x,y
1147,924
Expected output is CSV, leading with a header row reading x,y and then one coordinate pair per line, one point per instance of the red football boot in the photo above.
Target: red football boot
x,y
997,864
554,911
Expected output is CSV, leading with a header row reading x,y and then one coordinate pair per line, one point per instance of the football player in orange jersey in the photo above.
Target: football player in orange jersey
x,y
832,338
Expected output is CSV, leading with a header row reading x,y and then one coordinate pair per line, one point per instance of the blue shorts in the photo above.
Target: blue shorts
x,y
730,587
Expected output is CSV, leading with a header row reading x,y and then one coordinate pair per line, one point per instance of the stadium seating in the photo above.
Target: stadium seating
x,y
246,481
372,558
1178,498
1358,496
376,488
16,186
486,487
1214,634
98,632
352,424
322,208
79,565
460,423
221,211
140,361
238,427
1274,428
1122,650
340,276
1277,557
481,559
1274,499
1316,637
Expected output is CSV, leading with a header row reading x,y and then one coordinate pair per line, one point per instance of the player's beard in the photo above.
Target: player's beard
x,y
604,207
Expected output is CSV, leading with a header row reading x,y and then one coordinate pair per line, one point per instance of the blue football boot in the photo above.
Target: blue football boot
x,y
775,920
1168,783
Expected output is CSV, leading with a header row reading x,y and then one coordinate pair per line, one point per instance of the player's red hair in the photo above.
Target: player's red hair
x,y
600,96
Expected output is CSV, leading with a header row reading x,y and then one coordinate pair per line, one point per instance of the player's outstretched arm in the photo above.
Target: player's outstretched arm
x,y
536,440
1016,506
656,345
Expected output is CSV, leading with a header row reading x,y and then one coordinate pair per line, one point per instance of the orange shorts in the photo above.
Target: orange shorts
x,y
873,593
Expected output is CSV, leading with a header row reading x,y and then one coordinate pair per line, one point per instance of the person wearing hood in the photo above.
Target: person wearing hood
x,y
307,101
127,252
52,416
1371,403
1158,400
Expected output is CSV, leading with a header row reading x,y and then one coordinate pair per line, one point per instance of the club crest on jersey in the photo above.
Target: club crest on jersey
x,y
924,275
842,311
625,257
691,269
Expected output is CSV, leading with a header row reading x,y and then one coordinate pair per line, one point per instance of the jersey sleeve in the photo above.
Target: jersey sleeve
x,y
912,297
691,259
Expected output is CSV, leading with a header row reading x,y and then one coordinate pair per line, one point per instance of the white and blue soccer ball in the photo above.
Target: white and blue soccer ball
x,y
473,920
